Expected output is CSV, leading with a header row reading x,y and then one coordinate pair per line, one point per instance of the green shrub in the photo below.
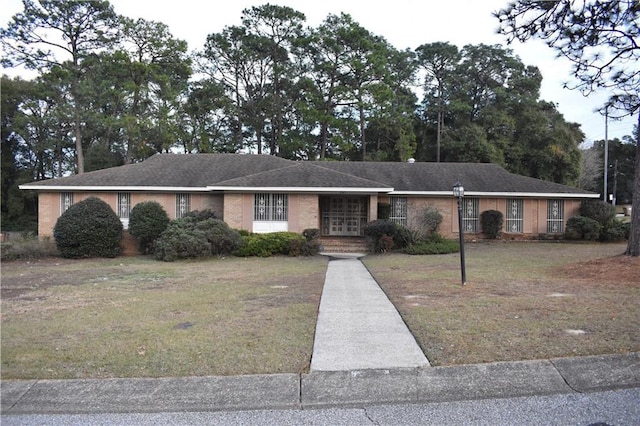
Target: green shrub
x,y
181,242
384,211
269,244
403,237
88,229
311,234
597,210
201,215
379,231
147,221
434,245
198,234
221,237
431,220
614,230
28,248
302,247
582,228
311,245
491,222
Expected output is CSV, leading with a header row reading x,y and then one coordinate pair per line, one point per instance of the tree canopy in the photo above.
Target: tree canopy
x,y
602,40
117,90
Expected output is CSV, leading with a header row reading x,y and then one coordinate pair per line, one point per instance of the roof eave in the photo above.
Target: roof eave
x,y
499,194
356,190
114,188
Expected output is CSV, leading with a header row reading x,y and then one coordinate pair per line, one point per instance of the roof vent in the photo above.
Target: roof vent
x,y
411,160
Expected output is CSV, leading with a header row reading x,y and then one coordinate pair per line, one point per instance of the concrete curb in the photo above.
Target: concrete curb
x,y
322,389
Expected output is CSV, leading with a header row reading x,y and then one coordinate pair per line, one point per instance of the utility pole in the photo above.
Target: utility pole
x,y
606,151
615,181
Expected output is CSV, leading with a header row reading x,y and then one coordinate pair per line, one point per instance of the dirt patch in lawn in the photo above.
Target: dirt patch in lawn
x,y
615,270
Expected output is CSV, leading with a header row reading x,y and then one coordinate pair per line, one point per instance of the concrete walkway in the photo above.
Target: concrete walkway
x,y
358,327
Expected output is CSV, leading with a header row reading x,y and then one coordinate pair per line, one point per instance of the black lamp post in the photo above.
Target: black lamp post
x,y
458,192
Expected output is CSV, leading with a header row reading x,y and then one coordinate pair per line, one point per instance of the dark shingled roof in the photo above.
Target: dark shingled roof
x,y
222,171
174,170
303,175
438,177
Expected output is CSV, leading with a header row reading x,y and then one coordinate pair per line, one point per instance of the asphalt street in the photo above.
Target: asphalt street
x,y
619,408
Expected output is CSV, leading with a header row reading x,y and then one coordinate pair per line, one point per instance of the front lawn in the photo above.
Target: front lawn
x,y
526,300
137,317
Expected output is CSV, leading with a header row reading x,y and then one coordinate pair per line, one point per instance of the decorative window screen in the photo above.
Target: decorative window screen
x,y
124,205
271,207
399,210
183,205
555,216
470,215
514,215
66,201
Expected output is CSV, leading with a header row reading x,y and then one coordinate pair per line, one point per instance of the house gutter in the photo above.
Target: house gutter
x,y
499,194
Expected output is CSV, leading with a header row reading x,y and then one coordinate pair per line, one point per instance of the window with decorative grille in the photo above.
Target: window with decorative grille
x,y
271,207
470,214
515,219
66,201
555,216
183,205
399,210
124,205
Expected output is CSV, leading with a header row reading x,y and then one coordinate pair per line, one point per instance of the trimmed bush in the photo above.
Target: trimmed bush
x,y
434,245
196,235
147,221
269,244
311,245
221,237
88,229
491,222
181,242
201,215
583,228
311,234
382,235
597,210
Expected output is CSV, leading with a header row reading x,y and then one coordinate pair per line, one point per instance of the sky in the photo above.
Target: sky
x,y
403,23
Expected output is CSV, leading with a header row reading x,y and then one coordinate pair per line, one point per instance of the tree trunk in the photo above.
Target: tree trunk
x,y
362,129
633,248
79,152
324,136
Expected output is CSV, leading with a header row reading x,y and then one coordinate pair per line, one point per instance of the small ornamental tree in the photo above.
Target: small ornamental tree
x,y
431,220
147,221
89,228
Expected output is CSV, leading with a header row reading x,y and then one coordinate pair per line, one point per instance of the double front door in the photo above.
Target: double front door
x,y
344,215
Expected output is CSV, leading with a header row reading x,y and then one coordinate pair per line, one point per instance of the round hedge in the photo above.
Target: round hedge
x,y
89,228
147,221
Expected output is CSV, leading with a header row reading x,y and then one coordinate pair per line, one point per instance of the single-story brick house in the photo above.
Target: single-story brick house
x,y
262,193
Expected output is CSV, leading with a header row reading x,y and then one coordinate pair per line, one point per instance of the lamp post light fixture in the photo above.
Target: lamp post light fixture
x,y
458,192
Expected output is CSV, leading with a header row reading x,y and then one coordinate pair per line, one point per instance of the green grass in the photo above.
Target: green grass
x,y
137,317
519,303
134,317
